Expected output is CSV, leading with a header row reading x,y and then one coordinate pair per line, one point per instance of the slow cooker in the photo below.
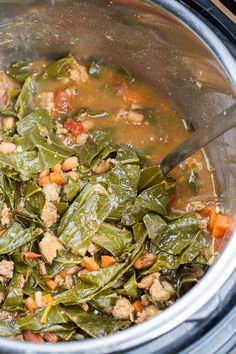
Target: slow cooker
x,y
186,49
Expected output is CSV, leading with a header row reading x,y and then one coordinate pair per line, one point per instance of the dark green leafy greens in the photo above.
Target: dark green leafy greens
x,y
102,222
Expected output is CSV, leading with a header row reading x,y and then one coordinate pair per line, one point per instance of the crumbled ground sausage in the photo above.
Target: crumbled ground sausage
x,y
78,73
52,191
195,205
6,270
42,268
49,214
149,312
49,247
47,101
157,291
123,310
33,337
50,337
5,215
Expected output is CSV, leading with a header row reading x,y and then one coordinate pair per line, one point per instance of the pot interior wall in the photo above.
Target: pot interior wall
x,y
153,44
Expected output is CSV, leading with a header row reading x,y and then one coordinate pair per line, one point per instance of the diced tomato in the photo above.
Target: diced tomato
x,y
63,101
73,126
31,255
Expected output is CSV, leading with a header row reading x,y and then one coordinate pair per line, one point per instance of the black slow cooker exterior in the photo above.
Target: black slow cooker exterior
x,y
208,318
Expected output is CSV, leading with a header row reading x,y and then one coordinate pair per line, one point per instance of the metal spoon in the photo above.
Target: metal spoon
x,y
200,138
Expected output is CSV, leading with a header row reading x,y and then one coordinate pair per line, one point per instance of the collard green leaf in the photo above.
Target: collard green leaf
x,y
179,234
37,128
34,198
56,317
102,276
24,101
154,199
112,239
155,225
58,68
121,183
71,190
20,71
8,327
129,288
149,176
15,236
95,325
99,140
9,188
139,230
39,117
26,162
104,299
14,298
127,155
77,230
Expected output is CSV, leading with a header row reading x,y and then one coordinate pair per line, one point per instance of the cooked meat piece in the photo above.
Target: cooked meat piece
x,y
47,101
32,337
49,214
7,86
7,148
195,205
52,191
78,73
42,268
50,337
6,269
49,247
5,215
123,310
157,291
149,312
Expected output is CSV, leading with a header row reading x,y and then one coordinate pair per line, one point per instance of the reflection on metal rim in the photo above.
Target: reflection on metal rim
x,y
209,285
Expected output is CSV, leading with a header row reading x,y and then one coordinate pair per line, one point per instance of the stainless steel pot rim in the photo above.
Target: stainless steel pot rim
x,y
203,291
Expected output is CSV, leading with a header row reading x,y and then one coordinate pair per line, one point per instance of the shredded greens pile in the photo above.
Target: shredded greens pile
x,y
124,214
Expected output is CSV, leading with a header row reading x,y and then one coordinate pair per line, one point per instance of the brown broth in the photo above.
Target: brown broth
x,y
157,139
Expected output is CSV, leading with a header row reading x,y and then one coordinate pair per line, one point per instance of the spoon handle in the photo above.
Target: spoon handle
x,y
200,138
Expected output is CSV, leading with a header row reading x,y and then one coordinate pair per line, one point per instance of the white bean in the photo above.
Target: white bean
x,y
135,117
44,173
8,123
70,163
81,138
88,124
102,167
74,175
7,148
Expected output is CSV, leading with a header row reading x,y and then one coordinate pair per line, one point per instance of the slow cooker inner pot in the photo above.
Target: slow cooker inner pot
x,y
157,47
